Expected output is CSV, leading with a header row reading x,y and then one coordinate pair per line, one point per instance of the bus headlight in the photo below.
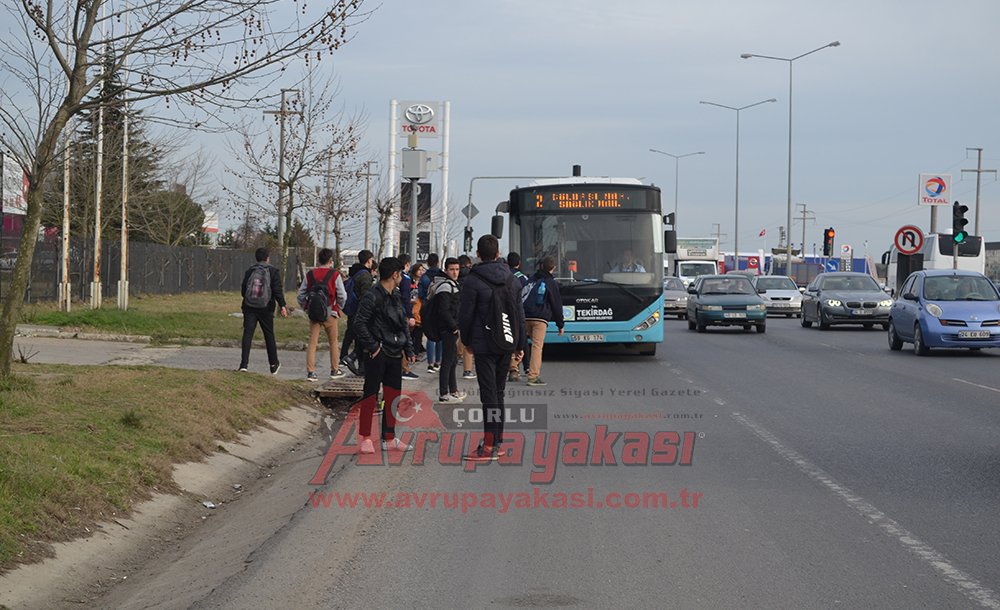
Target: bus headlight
x,y
651,320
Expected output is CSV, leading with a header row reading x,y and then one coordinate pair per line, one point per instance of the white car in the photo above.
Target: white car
x,y
781,295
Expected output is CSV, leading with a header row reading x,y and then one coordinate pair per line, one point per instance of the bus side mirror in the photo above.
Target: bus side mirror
x,y
496,228
670,242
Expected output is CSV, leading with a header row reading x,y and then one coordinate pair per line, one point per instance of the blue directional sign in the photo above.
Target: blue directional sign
x,y
833,265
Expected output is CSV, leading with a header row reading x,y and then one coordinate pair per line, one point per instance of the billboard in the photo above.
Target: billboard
x,y
421,117
423,202
15,186
934,189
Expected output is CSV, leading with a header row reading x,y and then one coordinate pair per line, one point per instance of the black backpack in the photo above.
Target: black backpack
x,y
501,329
427,316
258,291
318,297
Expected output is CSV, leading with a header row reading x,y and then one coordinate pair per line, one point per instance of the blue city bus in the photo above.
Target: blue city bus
x,y
606,235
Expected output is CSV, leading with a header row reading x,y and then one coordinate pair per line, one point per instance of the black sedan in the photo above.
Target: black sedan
x,y
845,298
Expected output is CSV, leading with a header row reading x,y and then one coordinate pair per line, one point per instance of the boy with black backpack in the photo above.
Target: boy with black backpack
x,y
542,304
261,291
491,323
322,296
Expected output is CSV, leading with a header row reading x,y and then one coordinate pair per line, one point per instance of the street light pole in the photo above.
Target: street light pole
x,y
790,60
736,227
677,174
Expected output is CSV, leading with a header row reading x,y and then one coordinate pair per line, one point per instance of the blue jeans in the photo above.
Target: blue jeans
x,y
434,352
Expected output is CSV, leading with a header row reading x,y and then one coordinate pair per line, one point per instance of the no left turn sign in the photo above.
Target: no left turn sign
x,y
909,239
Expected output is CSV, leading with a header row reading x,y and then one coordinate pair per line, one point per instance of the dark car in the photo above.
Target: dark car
x,y
945,308
725,300
845,297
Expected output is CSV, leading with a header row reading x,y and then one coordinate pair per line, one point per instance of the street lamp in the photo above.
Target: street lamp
x,y
677,176
790,60
736,228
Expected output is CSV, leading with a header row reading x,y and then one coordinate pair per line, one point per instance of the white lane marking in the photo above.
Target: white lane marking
x,y
965,583
978,385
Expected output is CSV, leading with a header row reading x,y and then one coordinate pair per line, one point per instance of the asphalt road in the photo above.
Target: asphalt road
x,y
832,473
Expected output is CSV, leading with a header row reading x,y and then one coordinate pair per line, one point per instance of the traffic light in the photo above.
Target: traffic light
x,y
828,235
958,222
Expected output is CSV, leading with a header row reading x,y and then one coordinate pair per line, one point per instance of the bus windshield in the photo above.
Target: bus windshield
x,y
606,248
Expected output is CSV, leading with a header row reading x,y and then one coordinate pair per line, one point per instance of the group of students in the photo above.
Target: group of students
x,y
487,312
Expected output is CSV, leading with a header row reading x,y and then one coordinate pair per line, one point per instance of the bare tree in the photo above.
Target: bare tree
x,y
197,56
318,136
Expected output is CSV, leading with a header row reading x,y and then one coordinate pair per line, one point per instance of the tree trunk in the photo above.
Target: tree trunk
x,y
14,300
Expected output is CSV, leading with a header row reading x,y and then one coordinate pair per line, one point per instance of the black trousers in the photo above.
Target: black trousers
x,y
387,372
265,318
491,373
447,381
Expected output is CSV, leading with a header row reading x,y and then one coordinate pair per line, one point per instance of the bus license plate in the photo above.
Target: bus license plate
x,y
862,312
973,334
734,314
586,338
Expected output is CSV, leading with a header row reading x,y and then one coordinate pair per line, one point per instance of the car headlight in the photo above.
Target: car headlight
x,y
833,303
934,310
885,303
712,307
760,307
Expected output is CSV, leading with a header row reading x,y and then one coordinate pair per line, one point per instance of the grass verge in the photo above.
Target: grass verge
x,y
83,444
201,315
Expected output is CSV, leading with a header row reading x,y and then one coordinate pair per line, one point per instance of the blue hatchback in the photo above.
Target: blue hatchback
x,y
945,308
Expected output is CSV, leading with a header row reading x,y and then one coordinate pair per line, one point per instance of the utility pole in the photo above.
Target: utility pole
x,y
368,198
979,171
806,215
281,174
95,285
123,273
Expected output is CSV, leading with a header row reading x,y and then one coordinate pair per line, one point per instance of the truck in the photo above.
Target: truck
x,y
695,256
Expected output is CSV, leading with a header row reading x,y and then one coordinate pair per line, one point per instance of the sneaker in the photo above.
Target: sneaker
x,y
396,445
311,376
336,373
243,369
469,375
275,368
367,446
535,381
513,376
410,375
483,454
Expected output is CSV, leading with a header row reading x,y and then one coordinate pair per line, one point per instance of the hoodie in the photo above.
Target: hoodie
x,y
475,303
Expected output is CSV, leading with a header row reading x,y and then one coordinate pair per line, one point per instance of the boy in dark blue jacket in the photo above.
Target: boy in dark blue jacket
x,y
542,304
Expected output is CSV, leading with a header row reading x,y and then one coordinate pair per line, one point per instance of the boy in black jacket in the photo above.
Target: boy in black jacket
x,y
252,316
476,326
383,335
445,290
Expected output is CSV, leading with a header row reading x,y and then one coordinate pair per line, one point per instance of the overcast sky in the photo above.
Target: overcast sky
x,y
538,85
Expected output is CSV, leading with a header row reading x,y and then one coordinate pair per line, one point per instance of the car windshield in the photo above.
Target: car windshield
x,y
852,283
729,285
775,283
673,284
959,288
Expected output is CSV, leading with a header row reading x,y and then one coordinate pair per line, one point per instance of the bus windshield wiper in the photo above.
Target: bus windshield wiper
x,y
623,287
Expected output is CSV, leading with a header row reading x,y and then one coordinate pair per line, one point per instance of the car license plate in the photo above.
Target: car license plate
x,y
973,334
586,338
862,312
734,314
